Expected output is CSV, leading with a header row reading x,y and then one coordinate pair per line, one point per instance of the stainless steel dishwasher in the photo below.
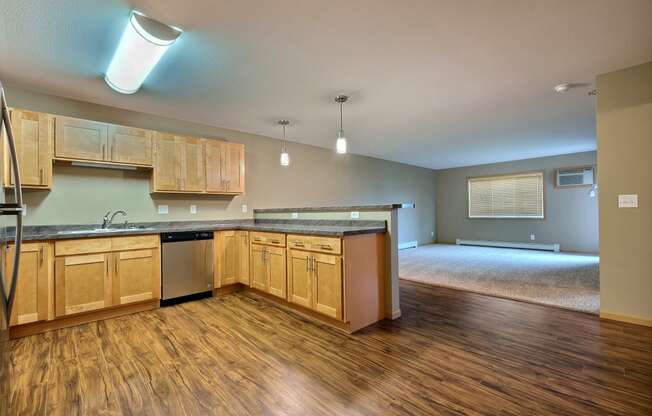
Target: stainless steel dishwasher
x,y
186,266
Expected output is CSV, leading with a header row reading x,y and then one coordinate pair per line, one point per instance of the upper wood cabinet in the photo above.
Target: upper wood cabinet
x,y
130,145
215,159
167,162
234,168
77,139
178,164
185,164
80,139
193,174
34,138
35,278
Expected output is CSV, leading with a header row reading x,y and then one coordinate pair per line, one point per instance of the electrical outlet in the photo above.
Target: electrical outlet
x,y
355,214
295,215
163,209
193,209
533,237
432,233
244,207
24,210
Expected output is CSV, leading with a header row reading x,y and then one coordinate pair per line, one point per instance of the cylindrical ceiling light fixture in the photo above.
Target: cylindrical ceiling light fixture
x,y
340,144
142,45
285,156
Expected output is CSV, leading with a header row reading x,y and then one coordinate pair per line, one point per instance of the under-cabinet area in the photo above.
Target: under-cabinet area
x,y
339,280
178,163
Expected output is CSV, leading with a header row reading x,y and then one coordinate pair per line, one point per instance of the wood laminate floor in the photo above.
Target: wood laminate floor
x,y
451,353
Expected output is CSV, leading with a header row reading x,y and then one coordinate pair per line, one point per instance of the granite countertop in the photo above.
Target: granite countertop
x,y
306,227
377,207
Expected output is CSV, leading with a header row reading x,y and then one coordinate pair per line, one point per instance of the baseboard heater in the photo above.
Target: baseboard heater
x,y
408,244
508,244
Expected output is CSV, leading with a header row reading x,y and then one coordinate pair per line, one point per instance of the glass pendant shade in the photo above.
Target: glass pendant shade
x,y
285,158
340,144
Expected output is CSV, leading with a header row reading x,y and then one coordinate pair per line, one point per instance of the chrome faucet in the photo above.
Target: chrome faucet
x,y
108,218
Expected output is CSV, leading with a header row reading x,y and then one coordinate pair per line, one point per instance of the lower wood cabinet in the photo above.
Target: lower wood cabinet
x,y
34,287
315,282
97,273
268,269
136,276
83,283
231,258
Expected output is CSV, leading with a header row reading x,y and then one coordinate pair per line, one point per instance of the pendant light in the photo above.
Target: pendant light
x,y
285,157
340,144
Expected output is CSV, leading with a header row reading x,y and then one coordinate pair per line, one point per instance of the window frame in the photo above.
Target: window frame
x,y
506,175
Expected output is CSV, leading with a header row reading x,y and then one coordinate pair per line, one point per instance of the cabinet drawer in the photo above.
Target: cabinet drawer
x,y
82,246
272,239
134,242
314,243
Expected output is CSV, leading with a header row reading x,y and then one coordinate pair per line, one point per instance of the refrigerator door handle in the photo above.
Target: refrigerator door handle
x,y
12,209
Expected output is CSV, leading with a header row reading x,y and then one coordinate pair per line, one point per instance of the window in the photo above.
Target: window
x,y
506,196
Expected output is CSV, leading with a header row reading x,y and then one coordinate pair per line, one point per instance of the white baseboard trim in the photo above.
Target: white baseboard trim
x,y
508,244
408,244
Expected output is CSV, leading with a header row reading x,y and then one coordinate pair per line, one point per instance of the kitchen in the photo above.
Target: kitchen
x,y
205,204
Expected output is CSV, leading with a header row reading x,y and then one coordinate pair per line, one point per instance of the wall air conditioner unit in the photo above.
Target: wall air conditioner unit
x,y
575,177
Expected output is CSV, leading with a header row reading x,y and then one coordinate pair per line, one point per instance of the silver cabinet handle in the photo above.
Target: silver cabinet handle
x,y
40,255
326,247
276,242
103,151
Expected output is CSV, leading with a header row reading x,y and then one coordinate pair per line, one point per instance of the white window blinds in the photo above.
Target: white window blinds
x,y
508,196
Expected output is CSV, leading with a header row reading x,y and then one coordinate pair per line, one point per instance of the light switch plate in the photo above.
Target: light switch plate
x,y
244,208
628,201
24,210
163,209
193,209
295,215
533,237
355,214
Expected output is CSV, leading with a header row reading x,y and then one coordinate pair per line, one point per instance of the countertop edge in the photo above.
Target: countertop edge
x,y
280,229
380,207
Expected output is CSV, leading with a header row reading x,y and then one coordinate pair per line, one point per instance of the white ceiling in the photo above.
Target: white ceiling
x,y
434,83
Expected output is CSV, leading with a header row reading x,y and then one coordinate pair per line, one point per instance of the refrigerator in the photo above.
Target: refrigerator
x,y
11,228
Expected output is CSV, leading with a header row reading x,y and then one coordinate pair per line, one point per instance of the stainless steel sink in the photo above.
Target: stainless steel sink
x,y
106,230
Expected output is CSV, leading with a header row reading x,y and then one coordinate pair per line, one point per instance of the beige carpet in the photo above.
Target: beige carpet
x,y
565,280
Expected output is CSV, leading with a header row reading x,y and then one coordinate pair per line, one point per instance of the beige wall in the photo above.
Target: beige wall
x,y
316,177
571,215
624,128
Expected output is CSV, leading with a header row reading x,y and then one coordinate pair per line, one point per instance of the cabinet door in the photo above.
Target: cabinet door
x,y
31,303
82,283
214,154
136,276
327,285
34,138
227,257
276,265
167,162
243,256
80,139
130,145
194,175
299,278
258,270
234,167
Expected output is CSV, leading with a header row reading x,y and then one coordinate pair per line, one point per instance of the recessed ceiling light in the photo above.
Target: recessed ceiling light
x,y
142,45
